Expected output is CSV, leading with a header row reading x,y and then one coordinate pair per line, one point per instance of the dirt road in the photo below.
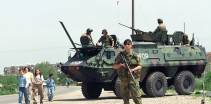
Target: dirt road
x,y
107,97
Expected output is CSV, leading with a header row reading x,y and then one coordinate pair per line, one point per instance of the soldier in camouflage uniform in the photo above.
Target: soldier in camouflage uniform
x,y
128,85
161,26
160,33
106,39
86,38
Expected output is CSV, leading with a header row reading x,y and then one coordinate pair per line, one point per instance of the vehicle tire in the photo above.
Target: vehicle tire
x,y
91,90
117,88
184,83
156,84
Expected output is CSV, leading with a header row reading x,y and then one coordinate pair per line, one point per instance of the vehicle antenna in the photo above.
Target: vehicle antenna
x,y
184,27
197,41
133,17
117,2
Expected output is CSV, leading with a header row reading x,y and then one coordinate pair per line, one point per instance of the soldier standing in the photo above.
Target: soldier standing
x,y
86,38
127,83
106,39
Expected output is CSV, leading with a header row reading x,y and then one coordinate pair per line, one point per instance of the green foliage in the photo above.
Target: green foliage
x,y
9,84
207,82
46,69
64,80
198,84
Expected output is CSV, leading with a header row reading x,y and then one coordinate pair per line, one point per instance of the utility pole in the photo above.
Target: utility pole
x,y
133,17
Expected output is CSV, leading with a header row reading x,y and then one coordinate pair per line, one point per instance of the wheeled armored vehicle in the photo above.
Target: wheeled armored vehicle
x,y
167,60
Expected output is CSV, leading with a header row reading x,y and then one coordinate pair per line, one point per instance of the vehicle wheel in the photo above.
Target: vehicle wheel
x,y
184,83
156,84
91,90
117,88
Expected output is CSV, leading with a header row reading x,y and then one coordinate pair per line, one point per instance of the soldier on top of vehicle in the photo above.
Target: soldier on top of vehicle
x,y
86,38
106,40
161,26
160,33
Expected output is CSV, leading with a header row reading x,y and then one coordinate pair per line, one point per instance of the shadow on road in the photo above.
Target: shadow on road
x,y
103,98
83,99
145,96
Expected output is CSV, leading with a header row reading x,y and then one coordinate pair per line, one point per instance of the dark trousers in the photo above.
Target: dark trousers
x,y
23,92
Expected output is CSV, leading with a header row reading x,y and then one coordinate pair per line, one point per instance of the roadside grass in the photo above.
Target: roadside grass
x,y
9,84
199,88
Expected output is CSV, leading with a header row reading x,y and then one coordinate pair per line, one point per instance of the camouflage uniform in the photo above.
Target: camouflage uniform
x,y
127,84
161,34
106,40
161,27
86,40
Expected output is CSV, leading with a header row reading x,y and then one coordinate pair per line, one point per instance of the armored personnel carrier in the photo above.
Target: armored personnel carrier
x,y
167,60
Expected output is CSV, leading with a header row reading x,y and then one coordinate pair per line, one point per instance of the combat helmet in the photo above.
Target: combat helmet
x,y
88,30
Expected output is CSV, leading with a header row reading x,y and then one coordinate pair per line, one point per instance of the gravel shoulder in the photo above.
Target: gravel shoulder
x,y
108,97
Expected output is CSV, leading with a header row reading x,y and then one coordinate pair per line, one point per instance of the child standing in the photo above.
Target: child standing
x,y
22,87
51,87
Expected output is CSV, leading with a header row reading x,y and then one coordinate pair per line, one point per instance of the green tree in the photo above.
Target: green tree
x,y
46,69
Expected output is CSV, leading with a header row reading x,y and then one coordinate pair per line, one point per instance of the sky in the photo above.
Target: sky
x,y
30,32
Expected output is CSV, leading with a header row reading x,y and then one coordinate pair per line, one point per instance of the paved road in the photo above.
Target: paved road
x,y
108,97
13,99
72,95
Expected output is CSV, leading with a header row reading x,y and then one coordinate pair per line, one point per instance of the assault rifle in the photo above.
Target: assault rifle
x,y
127,66
136,30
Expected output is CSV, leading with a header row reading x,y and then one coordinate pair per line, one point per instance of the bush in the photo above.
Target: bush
x,y
64,80
207,82
9,84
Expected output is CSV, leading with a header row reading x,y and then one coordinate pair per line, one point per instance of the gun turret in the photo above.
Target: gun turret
x,y
136,30
140,36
